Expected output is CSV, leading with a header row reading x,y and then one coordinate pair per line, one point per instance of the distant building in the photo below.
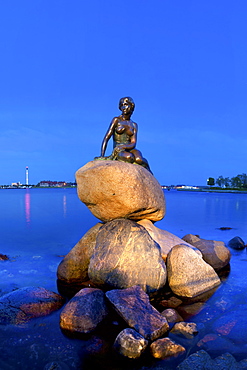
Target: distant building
x,y
49,184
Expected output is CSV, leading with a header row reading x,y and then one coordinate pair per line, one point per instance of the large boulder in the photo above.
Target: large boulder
x,y
165,239
188,274
115,189
126,255
215,253
84,311
24,304
73,269
133,306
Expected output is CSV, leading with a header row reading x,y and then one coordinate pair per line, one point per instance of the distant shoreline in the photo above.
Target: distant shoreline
x,y
215,191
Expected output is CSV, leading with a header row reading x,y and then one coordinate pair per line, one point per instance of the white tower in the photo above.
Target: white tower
x,y
27,175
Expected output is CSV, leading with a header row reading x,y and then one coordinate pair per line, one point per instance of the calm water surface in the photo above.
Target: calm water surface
x,y
39,226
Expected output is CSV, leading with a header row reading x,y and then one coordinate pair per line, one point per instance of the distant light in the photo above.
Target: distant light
x,y
26,175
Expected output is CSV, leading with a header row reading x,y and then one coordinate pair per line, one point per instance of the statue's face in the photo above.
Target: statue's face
x,y
125,107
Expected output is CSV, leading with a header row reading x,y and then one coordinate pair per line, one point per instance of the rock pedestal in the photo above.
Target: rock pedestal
x,y
73,269
114,189
125,255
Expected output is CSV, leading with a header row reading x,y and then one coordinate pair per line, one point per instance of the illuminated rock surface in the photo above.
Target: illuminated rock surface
x,y
129,343
188,274
165,347
133,306
114,189
74,267
165,239
215,253
84,311
27,303
126,255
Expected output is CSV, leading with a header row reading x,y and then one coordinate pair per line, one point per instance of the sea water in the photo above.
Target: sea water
x,y
39,226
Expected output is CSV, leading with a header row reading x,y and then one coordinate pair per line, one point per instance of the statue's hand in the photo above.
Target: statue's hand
x,y
119,148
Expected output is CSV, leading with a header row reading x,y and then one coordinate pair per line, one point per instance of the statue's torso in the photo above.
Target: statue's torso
x,y
123,132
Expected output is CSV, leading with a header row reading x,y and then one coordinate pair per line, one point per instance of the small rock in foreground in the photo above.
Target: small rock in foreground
x,y
84,311
165,348
201,361
186,329
133,306
129,343
171,315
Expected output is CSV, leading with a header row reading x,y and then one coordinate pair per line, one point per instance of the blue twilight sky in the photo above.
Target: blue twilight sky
x,y
65,65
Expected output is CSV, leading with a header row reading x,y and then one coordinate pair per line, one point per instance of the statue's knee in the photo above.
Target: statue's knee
x,y
138,160
126,157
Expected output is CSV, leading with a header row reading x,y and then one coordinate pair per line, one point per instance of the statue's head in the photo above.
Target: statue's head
x,y
127,100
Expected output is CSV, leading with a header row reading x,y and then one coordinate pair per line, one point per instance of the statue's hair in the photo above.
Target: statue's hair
x,y
130,100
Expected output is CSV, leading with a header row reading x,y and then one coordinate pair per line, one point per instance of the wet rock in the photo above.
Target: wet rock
x,y
188,274
191,239
133,306
3,257
199,360
216,344
73,269
233,325
215,253
236,243
171,315
242,364
56,365
165,239
191,309
114,189
165,347
126,255
172,302
226,361
24,304
96,348
130,344
84,311
186,329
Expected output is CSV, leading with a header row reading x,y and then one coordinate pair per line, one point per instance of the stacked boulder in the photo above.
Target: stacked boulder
x,y
124,259
125,248
120,252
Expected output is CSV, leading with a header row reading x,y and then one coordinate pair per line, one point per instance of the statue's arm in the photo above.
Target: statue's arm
x,y
108,135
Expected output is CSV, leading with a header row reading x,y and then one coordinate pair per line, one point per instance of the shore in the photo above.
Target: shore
x,y
215,190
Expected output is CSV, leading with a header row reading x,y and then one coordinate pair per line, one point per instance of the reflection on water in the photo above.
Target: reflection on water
x,y
64,205
28,207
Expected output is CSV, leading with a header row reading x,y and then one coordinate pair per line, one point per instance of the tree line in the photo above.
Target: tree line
x,y
239,181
